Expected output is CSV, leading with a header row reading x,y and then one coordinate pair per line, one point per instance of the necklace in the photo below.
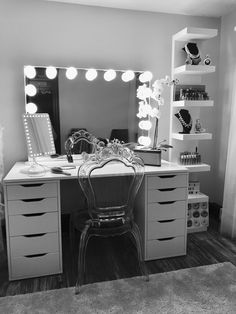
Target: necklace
x,y
186,125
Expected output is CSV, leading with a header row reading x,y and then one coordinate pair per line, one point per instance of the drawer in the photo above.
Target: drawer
x,y
33,223
31,206
166,228
168,247
167,181
167,210
34,244
29,191
167,194
35,265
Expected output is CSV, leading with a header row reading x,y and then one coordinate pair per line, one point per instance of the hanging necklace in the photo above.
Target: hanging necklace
x,y
186,125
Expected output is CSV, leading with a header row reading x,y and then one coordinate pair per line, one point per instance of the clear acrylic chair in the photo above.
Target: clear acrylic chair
x,y
79,142
110,181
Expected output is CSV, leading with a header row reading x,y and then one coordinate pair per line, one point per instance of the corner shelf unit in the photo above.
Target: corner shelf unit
x,y
190,75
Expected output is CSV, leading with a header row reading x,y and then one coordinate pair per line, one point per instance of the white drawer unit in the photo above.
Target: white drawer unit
x,y
163,223
33,225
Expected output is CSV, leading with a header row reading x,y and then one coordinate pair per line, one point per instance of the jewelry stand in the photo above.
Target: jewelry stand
x,y
185,119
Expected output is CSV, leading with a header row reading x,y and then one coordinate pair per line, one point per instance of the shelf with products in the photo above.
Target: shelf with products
x,y
192,136
192,103
194,69
191,100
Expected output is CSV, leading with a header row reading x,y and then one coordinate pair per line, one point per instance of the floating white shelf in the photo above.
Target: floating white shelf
x,y
196,198
193,103
190,33
194,69
198,168
192,136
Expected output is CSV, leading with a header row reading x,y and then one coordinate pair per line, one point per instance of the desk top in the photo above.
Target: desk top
x,y
16,174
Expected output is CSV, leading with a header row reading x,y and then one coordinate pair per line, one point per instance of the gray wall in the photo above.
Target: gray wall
x,y
45,33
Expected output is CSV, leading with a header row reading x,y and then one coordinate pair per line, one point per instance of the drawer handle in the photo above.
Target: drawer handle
x,y
33,200
169,189
34,235
31,185
166,239
33,215
168,176
35,255
168,202
164,221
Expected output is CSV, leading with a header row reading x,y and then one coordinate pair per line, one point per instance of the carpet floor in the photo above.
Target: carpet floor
x,y
204,289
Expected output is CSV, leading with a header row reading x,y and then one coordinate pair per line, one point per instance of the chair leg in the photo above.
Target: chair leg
x,y
81,258
137,238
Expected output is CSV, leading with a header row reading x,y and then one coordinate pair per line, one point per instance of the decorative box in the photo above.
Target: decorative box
x,y
149,156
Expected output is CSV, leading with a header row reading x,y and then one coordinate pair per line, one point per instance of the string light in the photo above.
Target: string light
x,y
51,72
71,73
109,75
29,71
31,108
91,74
144,140
127,76
145,76
30,90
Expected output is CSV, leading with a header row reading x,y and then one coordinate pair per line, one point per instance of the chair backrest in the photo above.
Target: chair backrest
x,y
110,181
80,141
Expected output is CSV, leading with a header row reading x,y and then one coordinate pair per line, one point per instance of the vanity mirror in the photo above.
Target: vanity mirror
x,y
39,140
96,100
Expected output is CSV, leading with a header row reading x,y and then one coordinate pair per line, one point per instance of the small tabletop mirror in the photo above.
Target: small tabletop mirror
x,y
39,139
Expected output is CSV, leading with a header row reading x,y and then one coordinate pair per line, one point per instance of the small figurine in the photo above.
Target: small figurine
x,y
198,128
207,60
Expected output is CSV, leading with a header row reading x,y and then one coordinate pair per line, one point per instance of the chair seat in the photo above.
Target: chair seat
x,y
105,228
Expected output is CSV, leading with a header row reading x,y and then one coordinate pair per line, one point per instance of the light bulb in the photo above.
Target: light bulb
x,y
31,108
145,76
109,75
29,71
30,90
127,76
91,74
144,140
51,72
145,125
71,73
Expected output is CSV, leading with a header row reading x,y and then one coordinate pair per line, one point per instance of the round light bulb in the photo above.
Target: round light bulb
x,y
127,76
91,74
51,72
144,140
145,76
31,108
109,75
71,73
145,125
30,90
29,71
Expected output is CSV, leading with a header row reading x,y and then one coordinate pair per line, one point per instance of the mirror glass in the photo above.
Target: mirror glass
x,y
39,136
99,106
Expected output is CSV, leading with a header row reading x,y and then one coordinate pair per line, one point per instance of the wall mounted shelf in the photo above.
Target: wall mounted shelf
x,y
193,103
194,69
198,168
191,33
192,136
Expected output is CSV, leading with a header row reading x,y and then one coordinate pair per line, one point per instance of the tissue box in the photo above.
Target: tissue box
x,y
149,156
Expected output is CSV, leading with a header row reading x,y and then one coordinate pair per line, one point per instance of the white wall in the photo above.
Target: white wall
x,y
43,33
226,126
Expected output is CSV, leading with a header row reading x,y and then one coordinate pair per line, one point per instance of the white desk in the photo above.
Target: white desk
x,y
33,216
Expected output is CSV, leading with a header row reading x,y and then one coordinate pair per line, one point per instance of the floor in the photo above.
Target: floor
x,y
119,256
